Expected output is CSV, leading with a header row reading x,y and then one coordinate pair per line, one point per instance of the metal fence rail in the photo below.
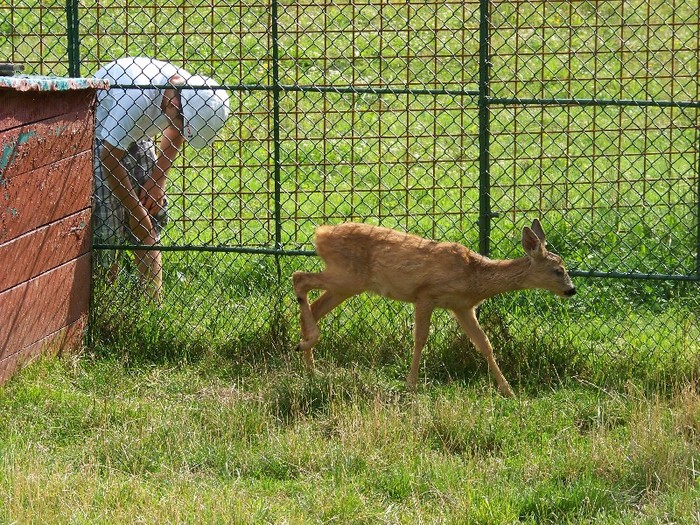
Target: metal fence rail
x,y
454,119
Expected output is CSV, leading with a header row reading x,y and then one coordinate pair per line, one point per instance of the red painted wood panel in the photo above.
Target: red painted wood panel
x,y
70,336
44,305
46,140
20,107
38,144
44,195
41,250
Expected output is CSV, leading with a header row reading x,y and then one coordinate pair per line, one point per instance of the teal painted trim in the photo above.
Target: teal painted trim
x,y
10,150
42,83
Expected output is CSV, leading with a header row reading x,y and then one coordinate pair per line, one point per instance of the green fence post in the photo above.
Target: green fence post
x,y
73,47
697,216
277,169
484,129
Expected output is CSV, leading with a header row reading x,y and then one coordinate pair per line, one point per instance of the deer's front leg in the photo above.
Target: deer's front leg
x,y
467,320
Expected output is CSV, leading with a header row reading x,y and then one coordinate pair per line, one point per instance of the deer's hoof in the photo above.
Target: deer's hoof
x,y
411,384
506,391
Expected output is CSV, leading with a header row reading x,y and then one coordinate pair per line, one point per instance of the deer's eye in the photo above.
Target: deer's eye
x,y
559,271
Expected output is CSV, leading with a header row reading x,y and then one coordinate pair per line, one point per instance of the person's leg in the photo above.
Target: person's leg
x,y
139,161
107,220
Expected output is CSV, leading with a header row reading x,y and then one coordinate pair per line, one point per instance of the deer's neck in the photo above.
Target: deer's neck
x,y
499,276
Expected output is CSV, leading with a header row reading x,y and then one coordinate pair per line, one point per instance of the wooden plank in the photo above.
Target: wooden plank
x,y
45,195
44,305
21,107
43,249
38,144
64,340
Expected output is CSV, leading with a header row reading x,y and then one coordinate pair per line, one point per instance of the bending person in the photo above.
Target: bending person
x,y
158,102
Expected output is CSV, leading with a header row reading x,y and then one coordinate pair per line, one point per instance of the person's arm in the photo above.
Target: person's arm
x,y
153,192
120,184
148,263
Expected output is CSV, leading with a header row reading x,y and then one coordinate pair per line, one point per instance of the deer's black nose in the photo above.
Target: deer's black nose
x,y
570,292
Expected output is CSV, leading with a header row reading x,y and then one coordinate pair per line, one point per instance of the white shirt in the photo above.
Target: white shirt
x,y
124,116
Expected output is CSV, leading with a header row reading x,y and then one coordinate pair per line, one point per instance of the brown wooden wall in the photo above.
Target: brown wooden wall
x,y
45,198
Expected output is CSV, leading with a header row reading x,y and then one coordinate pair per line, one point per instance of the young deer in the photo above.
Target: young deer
x,y
429,274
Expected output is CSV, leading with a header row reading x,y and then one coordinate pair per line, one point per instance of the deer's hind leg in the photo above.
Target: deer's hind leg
x,y
421,329
304,282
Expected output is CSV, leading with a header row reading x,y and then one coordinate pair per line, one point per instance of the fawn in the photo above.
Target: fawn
x,y
360,257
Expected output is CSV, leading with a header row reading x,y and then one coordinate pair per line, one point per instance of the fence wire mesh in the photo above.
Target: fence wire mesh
x,y
459,121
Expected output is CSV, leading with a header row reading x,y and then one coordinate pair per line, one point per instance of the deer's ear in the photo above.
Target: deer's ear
x,y
537,228
532,244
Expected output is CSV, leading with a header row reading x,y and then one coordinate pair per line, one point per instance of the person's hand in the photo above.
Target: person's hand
x,y
152,197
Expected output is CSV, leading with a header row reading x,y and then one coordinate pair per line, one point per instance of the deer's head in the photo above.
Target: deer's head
x,y
547,269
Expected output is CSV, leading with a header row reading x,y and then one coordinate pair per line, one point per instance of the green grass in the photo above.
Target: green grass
x,y
200,410
99,438
204,402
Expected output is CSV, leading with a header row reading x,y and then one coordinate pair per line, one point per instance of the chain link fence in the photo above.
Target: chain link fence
x,y
459,121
